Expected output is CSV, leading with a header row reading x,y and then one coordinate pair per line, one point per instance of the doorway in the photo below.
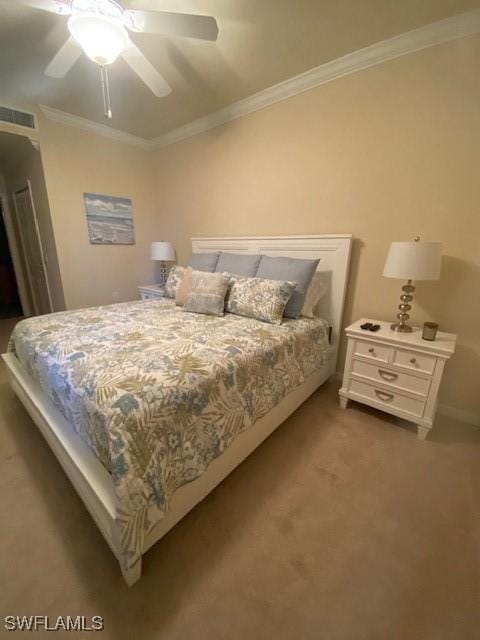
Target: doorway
x,y
32,248
10,305
28,226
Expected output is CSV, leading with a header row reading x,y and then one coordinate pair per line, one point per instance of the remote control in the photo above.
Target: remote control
x,y
366,325
374,327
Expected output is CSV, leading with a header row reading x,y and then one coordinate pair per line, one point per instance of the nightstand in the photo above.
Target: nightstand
x,y
150,291
396,372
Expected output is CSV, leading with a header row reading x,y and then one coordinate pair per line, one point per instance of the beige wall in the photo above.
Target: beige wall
x,y
76,162
386,154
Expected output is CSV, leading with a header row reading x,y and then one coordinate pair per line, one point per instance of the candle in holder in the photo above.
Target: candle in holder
x,y
429,330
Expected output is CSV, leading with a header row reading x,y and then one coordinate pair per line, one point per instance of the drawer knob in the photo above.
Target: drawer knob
x,y
413,360
371,350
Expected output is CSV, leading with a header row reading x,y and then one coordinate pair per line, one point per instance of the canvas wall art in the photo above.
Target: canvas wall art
x,y
109,219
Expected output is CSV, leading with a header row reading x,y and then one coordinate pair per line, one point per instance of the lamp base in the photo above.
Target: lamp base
x,y
401,328
404,307
163,274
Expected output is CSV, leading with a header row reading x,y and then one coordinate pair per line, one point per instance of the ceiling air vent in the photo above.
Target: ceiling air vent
x,y
17,117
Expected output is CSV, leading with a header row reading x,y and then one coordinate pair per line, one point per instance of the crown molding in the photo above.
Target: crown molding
x,y
56,115
452,28
439,32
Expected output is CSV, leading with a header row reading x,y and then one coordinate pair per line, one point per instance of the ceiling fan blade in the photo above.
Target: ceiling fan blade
x,y
64,59
173,24
61,7
146,71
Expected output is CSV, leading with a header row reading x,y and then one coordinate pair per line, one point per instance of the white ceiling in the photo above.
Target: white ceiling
x,y
261,43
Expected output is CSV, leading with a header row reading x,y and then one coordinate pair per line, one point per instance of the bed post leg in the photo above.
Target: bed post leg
x,y
133,574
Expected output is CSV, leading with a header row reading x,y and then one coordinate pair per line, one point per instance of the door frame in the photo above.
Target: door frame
x,y
16,254
28,187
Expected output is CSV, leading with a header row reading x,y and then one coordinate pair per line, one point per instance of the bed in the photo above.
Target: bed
x,y
148,407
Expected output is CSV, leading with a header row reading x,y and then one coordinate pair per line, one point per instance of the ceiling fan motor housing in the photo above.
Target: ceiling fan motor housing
x,y
109,8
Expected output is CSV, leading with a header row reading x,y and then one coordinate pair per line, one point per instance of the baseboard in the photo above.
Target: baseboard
x,y
459,414
445,410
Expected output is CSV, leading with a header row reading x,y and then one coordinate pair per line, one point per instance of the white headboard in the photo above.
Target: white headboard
x,y
333,251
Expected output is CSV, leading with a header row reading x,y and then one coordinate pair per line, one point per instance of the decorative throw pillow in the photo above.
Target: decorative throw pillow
x,y
293,270
259,298
175,276
204,261
207,292
183,287
238,264
315,293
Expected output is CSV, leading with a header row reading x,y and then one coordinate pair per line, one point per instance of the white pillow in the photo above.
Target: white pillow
x,y
315,293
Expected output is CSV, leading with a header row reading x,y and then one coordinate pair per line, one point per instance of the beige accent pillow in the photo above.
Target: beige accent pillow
x,y
183,287
206,293
315,293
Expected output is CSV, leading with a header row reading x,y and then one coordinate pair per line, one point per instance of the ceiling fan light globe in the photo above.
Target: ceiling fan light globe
x,y
101,38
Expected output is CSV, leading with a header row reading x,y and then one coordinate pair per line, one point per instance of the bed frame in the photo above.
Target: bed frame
x,y
89,477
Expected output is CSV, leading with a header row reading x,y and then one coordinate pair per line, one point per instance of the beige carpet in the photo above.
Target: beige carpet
x,y
342,525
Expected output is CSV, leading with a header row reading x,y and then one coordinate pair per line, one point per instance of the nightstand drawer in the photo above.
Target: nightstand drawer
x,y
394,379
415,361
377,352
386,399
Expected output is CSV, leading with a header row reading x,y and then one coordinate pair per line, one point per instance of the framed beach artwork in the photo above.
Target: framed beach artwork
x,y
109,219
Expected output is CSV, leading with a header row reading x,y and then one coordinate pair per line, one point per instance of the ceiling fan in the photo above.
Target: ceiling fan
x,y
99,28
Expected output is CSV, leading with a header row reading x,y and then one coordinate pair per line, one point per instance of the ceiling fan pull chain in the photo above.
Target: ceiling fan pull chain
x,y
107,107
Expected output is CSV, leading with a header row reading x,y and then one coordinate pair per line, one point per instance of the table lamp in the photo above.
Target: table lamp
x,y
411,261
163,252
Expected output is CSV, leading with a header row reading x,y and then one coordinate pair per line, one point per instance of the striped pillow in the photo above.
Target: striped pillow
x,y
315,292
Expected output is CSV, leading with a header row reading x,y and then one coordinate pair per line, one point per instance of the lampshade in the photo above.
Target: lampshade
x,y
102,38
414,261
162,251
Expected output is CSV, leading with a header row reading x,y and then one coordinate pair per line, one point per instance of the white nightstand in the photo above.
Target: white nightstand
x,y
397,372
150,291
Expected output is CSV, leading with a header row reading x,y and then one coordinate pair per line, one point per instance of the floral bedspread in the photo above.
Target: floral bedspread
x,y
157,393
